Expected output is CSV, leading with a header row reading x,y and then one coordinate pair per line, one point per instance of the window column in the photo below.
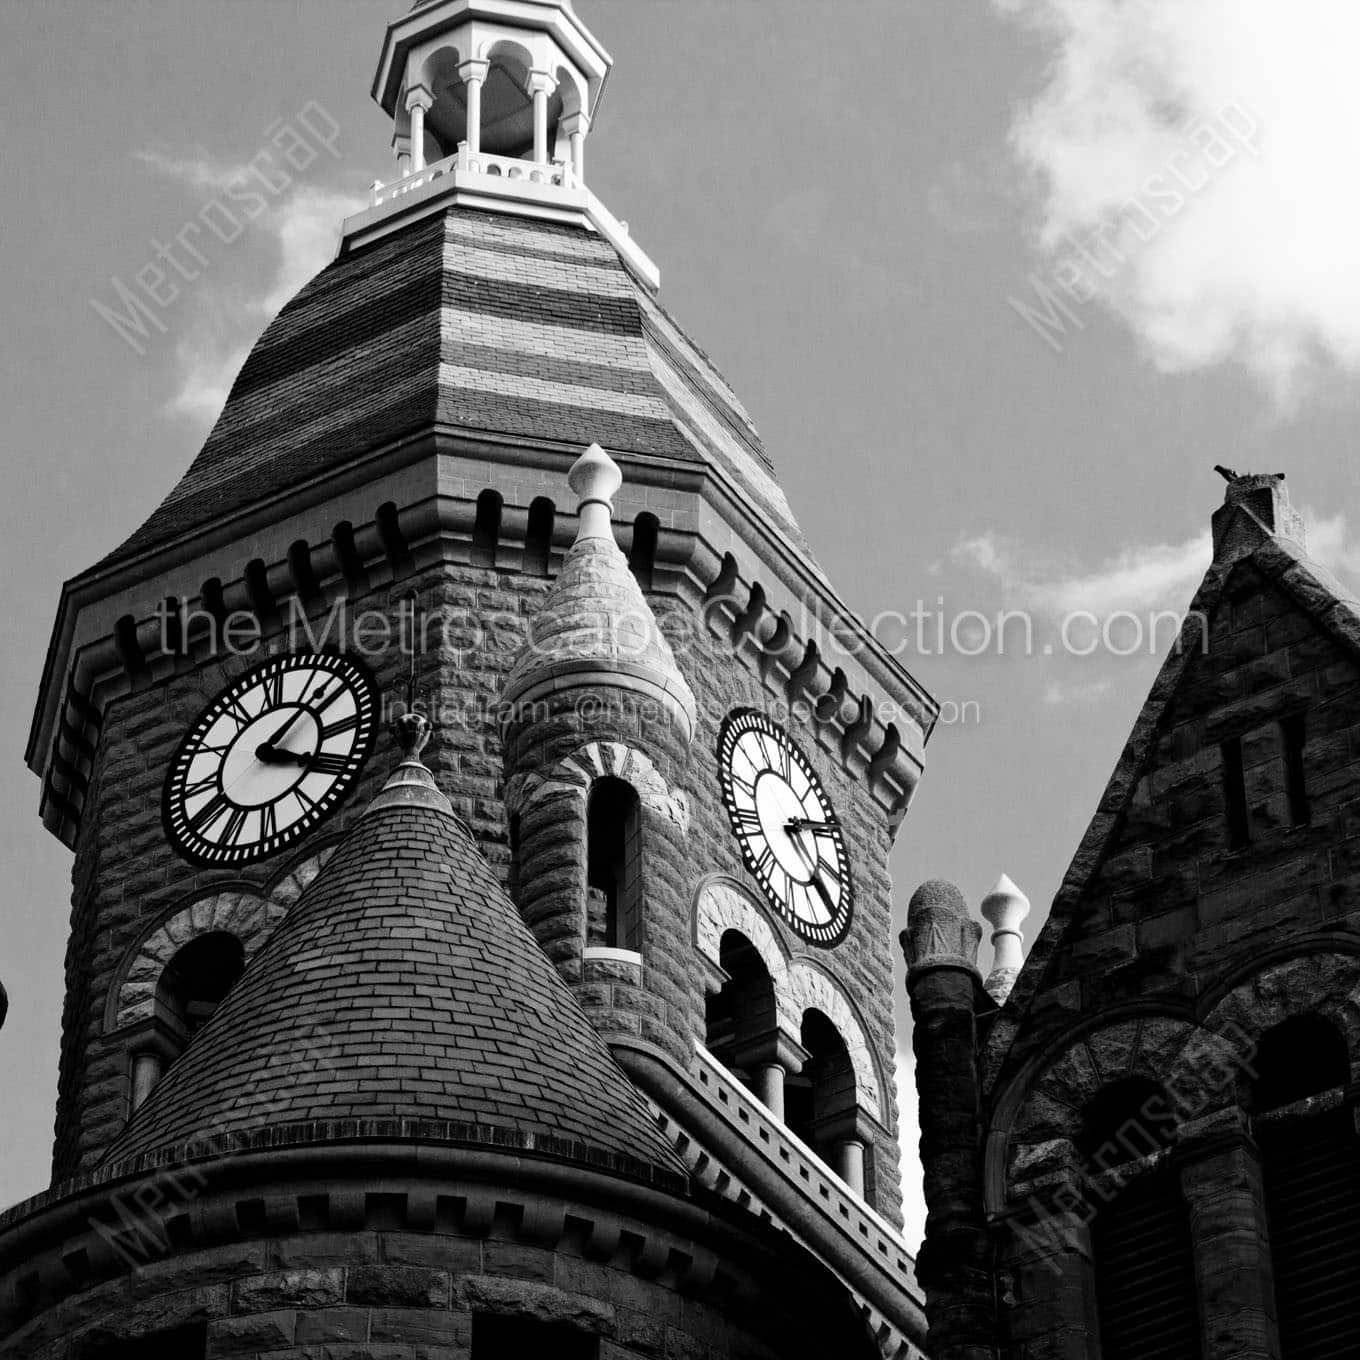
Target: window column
x,y
1223,1188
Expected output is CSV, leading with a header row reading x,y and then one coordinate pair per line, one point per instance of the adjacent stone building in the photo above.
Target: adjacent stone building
x,y
1146,1149
561,1022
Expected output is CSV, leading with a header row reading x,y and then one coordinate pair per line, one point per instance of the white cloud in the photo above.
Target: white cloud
x,y
1149,576
1140,579
1257,264
223,317
1057,695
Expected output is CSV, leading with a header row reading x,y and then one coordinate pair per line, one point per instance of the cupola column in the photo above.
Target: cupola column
x,y
473,74
576,125
401,149
418,102
541,86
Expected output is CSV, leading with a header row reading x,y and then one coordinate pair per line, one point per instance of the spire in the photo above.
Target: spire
x,y
595,627
1004,908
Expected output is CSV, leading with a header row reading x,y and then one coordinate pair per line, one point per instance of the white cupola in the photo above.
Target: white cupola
x,y
509,80
491,102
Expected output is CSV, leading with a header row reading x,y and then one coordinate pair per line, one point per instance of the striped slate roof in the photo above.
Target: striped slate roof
x,y
474,321
403,985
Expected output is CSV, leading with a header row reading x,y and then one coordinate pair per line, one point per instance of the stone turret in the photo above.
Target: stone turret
x,y
598,720
940,944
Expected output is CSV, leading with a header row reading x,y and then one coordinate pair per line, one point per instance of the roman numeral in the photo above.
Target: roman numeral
x,y
326,763
231,833
338,729
747,821
269,822
209,813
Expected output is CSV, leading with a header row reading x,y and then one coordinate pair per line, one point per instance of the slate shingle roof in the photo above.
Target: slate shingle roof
x,y
402,985
478,322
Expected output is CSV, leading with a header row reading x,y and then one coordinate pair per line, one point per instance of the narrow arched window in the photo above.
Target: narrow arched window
x,y
538,537
1141,1245
740,1020
821,1103
642,558
486,529
614,866
1311,1177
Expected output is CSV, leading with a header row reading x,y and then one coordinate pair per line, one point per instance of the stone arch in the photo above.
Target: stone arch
x,y
246,913
722,904
812,989
1325,984
1041,1123
599,760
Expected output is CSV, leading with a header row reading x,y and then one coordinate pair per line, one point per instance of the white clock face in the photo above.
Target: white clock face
x,y
270,758
784,822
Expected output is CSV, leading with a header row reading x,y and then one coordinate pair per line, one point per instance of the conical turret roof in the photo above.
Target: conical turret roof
x,y
595,626
403,985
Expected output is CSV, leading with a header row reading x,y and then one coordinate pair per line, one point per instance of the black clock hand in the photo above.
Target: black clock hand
x,y
287,727
807,824
270,755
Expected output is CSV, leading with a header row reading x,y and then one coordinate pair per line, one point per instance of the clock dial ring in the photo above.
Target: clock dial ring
x,y
270,759
790,838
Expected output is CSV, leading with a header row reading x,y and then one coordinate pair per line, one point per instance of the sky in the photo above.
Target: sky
x,y
1000,281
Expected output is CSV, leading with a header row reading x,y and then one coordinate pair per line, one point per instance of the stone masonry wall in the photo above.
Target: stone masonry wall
x,y
126,876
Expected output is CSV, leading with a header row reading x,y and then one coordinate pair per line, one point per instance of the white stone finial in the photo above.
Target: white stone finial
x,y
1004,908
595,478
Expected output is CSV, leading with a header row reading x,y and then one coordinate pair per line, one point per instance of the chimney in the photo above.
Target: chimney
x,y
1252,503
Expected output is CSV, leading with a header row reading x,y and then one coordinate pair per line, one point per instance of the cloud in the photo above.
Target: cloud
x,y
1149,576
1211,256
224,315
1057,695
1139,579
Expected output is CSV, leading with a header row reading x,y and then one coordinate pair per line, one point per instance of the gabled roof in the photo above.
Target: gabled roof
x,y
1241,539
477,323
403,985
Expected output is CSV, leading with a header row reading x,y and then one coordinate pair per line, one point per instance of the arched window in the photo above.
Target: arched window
x,y
1141,1246
196,980
614,865
740,1020
486,529
821,1103
1311,1175
538,537
642,557
191,987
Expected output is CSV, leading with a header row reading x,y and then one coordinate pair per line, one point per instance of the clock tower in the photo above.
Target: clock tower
x,y
475,470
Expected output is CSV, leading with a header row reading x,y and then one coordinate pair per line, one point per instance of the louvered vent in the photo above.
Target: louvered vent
x,y
1312,1185
1145,1274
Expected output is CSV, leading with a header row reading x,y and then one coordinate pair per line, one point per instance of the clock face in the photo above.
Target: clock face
x,y
270,758
789,835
